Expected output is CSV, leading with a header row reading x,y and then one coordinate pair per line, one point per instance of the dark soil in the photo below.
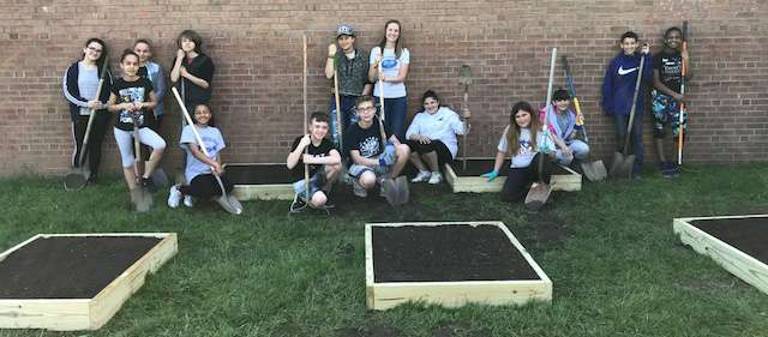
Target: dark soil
x,y
446,253
476,167
748,235
250,174
69,267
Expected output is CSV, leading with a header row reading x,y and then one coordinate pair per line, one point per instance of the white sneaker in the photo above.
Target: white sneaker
x,y
188,201
358,189
421,177
174,196
435,179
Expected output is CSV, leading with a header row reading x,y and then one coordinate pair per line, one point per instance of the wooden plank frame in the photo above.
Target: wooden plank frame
x,y
738,263
86,313
263,191
570,182
386,295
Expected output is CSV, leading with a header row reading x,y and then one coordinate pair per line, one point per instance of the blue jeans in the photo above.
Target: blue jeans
x,y
395,110
636,138
348,115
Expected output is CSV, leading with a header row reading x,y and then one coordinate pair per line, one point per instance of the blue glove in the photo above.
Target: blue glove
x,y
490,175
387,158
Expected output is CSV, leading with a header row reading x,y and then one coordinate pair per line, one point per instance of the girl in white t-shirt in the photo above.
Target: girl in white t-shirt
x,y
200,168
521,139
389,62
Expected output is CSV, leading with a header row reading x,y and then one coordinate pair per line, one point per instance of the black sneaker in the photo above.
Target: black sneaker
x,y
298,205
148,184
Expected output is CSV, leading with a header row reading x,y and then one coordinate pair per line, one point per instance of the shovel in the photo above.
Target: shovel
x,y
622,164
78,178
465,79
595,170
140,196
539,192
228,202
396,191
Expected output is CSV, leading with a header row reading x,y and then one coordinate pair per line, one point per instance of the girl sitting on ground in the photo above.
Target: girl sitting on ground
x,y
521,139
200,169
432,137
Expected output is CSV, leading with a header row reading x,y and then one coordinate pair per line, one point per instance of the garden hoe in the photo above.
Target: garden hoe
x,y
227,201
465,79
593,170
78,178
623,162
540,191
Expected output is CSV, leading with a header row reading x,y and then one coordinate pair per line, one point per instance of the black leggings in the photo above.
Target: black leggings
x,y
205,186
519,180
443,154
96,138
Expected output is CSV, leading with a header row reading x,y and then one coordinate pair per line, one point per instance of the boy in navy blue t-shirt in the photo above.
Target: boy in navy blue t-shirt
x,y
619,89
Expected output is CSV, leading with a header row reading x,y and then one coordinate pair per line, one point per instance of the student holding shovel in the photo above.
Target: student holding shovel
x,y
522,139
348,67
389,62
618,90
192,70
79,85
667,96
562,125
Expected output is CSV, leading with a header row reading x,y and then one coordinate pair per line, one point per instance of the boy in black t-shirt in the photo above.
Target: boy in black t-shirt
x,y
323,160
374,159
666,96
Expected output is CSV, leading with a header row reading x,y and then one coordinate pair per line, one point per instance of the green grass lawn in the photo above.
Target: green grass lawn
x,y
616,267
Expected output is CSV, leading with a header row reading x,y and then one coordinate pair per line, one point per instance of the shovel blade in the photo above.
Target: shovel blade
x,y
75,181
141,199
621,167
403,190
537,196
389,191
594,171
160,178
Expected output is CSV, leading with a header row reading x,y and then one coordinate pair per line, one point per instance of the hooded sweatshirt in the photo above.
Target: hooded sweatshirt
x,y
619,84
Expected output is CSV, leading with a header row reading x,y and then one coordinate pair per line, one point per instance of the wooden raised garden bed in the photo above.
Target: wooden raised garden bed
x,y
450,264
469,180
76,281
738,243
260,181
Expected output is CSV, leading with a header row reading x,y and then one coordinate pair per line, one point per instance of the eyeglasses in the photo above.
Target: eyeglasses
x,y
94,49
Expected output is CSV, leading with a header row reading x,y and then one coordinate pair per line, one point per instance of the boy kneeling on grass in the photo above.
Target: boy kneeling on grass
x,y
375,158
323,160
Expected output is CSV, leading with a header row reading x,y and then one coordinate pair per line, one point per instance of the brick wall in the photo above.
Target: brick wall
x,y
257,51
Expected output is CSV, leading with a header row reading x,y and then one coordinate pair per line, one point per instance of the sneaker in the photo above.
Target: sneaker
x,y
421,177
148,184
667,169
188,201
174,197
358,189
435,179
297,205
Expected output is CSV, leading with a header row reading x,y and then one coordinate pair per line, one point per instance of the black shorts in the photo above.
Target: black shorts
x,y
443,154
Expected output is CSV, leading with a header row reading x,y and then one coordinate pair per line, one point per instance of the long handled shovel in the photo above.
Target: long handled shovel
x,y
623,162
227,201
680,118
539,192
78,178
595,170
339,131
465,79
140,196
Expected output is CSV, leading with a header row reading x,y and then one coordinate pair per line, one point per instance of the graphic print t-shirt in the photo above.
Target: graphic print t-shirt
x,y
367,141
670,67
322,150
132,92
213,142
